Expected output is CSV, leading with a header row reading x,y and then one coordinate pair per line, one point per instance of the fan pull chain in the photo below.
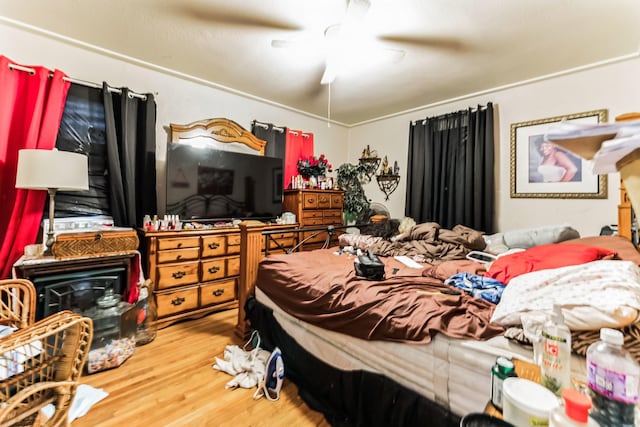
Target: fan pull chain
x,y
329,107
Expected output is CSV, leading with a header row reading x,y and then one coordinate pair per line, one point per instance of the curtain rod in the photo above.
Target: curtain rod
x,y
446,114
80,82
266,126
296,133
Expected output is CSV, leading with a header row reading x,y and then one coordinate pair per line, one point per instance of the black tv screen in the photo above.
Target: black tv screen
x,y
208,184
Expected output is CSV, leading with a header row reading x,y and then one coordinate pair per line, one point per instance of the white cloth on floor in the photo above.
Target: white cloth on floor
x,y
86,397
247,367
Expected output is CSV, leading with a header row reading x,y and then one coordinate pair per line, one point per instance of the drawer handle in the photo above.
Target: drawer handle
x,y
180,244
177,301
214,245
98,237
214,269
309,200
218,292
178,274
179,257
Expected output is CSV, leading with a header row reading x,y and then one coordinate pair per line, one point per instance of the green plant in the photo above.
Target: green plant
x,y
356,204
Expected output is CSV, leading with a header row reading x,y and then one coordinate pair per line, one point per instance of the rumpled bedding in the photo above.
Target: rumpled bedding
x,y
426,242
322,288
594,295
478,286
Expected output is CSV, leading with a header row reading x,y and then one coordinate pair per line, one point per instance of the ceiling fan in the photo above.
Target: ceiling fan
x,y
348,42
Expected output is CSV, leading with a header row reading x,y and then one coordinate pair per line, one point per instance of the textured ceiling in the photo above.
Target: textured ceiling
x,y
451,47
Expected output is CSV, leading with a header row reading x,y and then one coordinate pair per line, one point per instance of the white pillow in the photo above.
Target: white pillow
x,y
592,295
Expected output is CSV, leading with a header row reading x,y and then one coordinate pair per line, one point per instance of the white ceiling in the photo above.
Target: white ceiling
x,y
452,47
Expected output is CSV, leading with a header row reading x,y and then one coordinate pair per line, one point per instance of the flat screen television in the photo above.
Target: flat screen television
x,y
209,184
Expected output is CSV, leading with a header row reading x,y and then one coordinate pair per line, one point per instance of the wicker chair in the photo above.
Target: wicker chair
x,y
17,303
41,363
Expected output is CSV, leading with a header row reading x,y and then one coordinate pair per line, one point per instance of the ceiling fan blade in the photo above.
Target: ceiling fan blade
x,y
427,41
356,11
283,44
232,15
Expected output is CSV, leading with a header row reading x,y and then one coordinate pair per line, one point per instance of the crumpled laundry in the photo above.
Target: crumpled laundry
x,y
247,367
478,286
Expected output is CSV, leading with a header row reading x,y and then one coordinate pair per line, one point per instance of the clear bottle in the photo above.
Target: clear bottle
x,y
574,412
613,376
146,316
556,353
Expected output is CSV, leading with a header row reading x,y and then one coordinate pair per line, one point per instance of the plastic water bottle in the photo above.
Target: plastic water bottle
x,y
613,377
556,353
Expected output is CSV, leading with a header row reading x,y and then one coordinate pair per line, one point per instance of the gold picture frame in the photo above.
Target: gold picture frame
x,y
541,170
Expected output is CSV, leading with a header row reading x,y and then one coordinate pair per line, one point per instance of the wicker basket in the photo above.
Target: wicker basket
x,y
71,245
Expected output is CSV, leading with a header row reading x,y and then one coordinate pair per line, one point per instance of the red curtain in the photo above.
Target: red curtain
x,y
299,145
31,105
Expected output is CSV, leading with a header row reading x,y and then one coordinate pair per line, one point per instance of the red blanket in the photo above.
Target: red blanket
x,y
321,288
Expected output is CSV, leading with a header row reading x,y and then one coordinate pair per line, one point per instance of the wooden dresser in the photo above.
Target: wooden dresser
x,y
194,272
314,207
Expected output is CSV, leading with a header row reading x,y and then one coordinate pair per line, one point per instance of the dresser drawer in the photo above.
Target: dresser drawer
x,y
309,222
324,200
179,243
213,269
280,240
334,216
214,246
175,255
337,200
172,275
321,237
217,292
177,301
233,266
233,243
309,201
311,214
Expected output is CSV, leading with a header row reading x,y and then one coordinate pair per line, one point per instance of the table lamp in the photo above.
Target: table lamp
x,y
52,170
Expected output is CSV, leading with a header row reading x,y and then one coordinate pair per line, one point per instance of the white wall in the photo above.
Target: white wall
x,y
613,87
179,100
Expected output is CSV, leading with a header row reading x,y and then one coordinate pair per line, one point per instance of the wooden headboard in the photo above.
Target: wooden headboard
x,y
221,130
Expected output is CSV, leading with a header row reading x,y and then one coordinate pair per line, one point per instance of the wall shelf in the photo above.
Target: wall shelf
x,y
387,184
372,164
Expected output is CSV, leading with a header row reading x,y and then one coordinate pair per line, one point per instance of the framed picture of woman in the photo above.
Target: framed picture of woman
x,y
540,169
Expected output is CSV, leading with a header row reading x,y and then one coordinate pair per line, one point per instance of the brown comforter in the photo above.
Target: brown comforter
x,y
426,242
321,288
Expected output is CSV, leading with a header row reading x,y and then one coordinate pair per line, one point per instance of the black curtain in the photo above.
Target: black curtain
x,y
450,170
131,152
275,137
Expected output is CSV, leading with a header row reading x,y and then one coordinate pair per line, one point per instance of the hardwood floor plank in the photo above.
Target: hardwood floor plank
x,y
171,382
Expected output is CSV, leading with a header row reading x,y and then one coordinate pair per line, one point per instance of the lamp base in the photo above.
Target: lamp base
x,y
51,238
49,244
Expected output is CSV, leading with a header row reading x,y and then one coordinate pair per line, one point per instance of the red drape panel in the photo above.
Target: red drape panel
x,y
297,146
31,106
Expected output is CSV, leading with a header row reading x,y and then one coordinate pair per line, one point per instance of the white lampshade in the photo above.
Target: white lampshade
x,y
45,169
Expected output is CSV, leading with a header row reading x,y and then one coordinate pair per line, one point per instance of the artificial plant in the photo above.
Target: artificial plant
x,y
349,176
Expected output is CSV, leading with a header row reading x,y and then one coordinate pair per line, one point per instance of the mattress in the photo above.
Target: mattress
x,y
454,373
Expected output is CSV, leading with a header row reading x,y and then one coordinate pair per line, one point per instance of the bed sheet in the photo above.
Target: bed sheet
x,y
452,372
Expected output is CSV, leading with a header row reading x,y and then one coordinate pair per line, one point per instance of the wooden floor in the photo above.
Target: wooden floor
x,y
171,382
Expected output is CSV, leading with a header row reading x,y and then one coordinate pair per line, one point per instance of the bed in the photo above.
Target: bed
x,y
381,369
